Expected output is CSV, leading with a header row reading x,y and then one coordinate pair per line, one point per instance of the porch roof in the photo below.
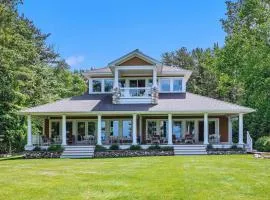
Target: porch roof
x,y
102,103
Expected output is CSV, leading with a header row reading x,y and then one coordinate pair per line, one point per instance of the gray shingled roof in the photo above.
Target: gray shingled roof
x,y
175,103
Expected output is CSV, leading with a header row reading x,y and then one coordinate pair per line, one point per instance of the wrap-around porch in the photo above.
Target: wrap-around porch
x,y
133,129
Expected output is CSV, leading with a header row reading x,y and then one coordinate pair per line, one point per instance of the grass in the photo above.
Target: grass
x,y
187,177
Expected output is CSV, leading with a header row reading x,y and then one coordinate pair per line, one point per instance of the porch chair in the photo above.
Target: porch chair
x,y
189,139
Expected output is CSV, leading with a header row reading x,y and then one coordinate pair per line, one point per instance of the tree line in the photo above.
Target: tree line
x,y
31,73
239,71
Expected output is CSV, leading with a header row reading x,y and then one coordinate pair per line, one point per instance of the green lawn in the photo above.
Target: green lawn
x,y
185,177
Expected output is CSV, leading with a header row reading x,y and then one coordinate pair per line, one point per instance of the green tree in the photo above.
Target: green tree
x,y
31,73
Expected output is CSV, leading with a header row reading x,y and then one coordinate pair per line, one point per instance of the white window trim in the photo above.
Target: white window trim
x,y
171,79
158,127
102,85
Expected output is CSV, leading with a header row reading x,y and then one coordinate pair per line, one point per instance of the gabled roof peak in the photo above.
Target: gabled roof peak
x,y
135,53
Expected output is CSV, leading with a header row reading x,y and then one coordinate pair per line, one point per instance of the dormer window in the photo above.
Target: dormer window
x,y
171,84
108,85
97,85
177,85
165,85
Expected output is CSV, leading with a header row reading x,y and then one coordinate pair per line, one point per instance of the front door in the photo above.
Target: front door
x,y
201,129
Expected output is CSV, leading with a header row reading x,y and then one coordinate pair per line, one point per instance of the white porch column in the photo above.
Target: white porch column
x,y
240,138
206,130
229,130
170,129
116,75
29,131
99,130
155,77
64,131
134,129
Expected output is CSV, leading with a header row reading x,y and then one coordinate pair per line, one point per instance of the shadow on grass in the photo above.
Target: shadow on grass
x,y
17,157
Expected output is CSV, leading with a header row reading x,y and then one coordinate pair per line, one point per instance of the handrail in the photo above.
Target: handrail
x,y
129,92
249,143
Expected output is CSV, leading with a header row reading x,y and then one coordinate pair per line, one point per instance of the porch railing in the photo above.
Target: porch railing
x,y
249,143
128,92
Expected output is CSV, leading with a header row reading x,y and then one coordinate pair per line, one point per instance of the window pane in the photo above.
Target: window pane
x,y
55,130
177,85
133,83
114,129
91,128
96,86
141,83
103,130
190,127
108,85
211,126
165,85
127,128
121,83
177,130
151,128
81,130
163,128
150,83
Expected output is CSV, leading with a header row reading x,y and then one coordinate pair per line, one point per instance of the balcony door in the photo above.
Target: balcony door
x,y
137,84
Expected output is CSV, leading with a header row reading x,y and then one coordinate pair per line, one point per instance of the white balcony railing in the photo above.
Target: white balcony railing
x,y
140,92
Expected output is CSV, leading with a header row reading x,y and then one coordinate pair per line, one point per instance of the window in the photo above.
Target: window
x,y
151,128
165,85
163,127
91,128
212,127
177,85
108,85
177,130
103,130
190,127
55,130
137,83
114,129
97,85
81,130
127,128
149,83
122,83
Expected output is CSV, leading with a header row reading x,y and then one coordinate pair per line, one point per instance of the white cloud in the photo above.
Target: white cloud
x,y
74,60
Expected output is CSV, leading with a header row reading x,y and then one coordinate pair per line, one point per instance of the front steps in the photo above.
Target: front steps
x,y
189,150
86,151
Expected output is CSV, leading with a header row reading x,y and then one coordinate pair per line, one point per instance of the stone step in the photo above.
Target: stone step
x,y
78,152
190,153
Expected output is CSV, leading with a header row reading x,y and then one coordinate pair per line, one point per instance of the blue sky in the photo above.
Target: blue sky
x,y
92,33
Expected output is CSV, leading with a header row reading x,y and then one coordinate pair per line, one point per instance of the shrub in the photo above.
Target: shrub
x,y
100,148
55,148
114,147
167,148
209,146
37,148
263,144
234,147
135,147
154,147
